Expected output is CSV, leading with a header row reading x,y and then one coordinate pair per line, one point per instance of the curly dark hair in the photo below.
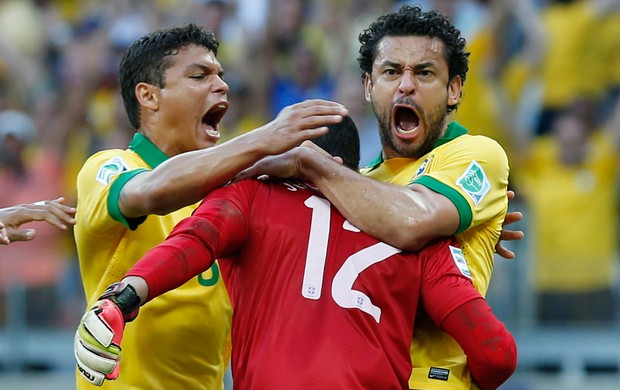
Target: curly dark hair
x,y
147,59
412,20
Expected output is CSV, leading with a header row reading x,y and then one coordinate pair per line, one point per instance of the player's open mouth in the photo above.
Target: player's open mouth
x,y
406,120
211,120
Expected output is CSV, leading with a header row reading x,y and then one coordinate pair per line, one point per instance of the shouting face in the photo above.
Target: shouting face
x,y
185,114
410,91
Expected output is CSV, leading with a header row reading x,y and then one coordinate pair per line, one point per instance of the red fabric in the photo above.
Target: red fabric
x,y
268,233
491,350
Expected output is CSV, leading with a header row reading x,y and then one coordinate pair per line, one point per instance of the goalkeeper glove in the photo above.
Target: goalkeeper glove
x,y
97,344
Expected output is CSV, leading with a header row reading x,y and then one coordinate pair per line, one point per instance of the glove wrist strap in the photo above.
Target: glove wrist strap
x,y
125,297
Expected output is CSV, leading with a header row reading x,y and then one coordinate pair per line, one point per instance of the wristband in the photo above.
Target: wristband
x,y
125,297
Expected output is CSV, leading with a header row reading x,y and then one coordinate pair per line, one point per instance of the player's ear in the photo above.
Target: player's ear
x,y
454,90
367,87
148,96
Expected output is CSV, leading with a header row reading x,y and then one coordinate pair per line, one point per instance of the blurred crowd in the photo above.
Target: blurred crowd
x,y
544,80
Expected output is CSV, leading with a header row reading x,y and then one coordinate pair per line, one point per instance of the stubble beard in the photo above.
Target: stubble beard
x,y
433,124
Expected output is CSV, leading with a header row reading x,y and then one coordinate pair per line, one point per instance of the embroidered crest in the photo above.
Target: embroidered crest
x,y
422,168
474,182
112,167
459,260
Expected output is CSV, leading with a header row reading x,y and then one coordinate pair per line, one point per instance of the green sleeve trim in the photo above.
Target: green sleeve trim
x,y
115,193
455,197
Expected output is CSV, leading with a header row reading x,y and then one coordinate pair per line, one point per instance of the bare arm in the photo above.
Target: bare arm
x,y
188,177
405,217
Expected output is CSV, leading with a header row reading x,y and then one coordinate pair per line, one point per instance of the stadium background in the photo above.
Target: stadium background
x,y
59,103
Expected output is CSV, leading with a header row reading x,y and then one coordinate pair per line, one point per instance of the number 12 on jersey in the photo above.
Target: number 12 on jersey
x,y
342,286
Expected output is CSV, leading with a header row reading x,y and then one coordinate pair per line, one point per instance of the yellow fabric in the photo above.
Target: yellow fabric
x,y
606,56
479,90
566,69
573,216
177,341
431,346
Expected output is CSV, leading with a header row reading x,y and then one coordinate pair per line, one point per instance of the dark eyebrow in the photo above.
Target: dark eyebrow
x,y
390,64
417,67
425,65
206,69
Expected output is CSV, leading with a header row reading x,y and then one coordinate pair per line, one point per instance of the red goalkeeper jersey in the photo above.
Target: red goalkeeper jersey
x,y
316,303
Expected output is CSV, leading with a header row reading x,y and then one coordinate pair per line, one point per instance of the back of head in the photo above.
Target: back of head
x,y
147,59
342,140
413,21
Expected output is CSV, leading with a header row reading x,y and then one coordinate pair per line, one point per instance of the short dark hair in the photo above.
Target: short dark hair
x,y
147,59
413,21
342,140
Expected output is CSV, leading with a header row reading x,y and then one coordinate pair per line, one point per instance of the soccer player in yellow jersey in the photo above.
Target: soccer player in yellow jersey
x,y
129,201
441,181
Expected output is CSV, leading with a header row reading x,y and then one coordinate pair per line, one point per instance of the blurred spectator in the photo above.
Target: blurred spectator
x,y
487,107
30,171
569,180
572,31
307,80
240,117
292,40
220,16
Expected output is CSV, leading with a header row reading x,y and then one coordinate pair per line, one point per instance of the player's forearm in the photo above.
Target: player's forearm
x,y
396,215
170,265
187,178
490,348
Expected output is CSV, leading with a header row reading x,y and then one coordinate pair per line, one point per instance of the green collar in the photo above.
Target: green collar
x,y
453,131
147,150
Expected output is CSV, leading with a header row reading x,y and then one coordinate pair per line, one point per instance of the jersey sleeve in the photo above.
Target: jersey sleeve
x,y
490,348
446,280
99,184
216,229
473,174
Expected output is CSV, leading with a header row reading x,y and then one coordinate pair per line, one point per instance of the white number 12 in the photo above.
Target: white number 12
x,y
342,286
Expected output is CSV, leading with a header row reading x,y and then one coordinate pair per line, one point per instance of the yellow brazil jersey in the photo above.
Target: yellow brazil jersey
x,y
561,196
569,28
471,171
180,339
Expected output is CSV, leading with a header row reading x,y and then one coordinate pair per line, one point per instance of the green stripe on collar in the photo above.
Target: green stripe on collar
x,y
453,131
147,150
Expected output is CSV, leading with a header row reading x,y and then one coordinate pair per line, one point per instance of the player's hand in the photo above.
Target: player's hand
x,y
286,165
54,212
509,235
97,343
298,122
4,235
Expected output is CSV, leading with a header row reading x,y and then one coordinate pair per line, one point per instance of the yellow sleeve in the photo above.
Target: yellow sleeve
x,y
98,184
473,174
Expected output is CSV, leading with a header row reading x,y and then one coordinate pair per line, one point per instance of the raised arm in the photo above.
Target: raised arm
x,y
188,177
